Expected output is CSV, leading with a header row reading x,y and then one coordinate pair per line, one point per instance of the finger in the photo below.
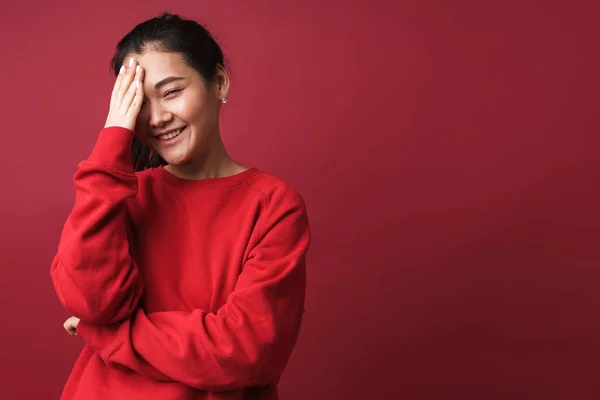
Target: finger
x,y
69,329
138,98
126,81
136,103
117,85
134,87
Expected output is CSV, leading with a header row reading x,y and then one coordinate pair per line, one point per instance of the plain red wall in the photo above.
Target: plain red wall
x,y
448,153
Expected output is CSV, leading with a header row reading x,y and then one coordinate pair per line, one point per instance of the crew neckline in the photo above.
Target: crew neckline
x,y
204,183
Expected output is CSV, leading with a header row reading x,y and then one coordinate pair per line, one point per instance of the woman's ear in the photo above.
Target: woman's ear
x,y
222,82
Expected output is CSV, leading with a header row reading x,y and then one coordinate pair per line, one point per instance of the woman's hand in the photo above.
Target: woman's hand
x,y
70,325
127,97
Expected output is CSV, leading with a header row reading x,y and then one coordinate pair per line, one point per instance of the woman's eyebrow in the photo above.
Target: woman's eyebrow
x,y
168,80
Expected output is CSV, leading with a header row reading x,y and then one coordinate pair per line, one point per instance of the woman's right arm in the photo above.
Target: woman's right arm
x,y
93,272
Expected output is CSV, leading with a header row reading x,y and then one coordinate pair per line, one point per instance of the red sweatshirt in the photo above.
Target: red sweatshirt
x,y
186,289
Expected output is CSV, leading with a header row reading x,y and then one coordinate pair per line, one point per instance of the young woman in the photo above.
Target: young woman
x,y
184,270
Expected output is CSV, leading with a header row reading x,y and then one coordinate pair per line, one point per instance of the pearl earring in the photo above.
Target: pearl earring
x,y
224,100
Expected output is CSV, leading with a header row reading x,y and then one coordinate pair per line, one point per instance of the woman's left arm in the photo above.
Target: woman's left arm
x,y
248,341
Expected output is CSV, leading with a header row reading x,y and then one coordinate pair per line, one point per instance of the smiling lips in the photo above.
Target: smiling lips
x,y
171,134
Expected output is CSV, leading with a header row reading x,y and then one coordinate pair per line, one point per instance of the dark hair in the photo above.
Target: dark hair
x,y
169,33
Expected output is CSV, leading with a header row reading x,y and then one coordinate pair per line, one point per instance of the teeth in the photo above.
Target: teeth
x,y
170,135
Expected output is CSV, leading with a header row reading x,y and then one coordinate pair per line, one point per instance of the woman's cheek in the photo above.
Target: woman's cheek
x,y
178,108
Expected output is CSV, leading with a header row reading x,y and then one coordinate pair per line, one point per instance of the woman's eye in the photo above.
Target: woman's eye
x,y
170,92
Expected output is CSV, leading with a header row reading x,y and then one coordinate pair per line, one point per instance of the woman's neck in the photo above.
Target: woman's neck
x,y
215,163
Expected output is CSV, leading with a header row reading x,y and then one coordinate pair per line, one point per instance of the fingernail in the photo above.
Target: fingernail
x,y
122,69
131,61
137,70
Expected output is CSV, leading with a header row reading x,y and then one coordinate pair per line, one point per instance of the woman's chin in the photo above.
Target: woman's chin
x,y
172,158
177,153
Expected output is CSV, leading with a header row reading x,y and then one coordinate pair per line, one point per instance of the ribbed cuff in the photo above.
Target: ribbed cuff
x,y
113,149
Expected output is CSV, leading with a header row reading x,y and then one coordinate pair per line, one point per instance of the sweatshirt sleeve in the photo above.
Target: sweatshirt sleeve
x,y
247,342
92,272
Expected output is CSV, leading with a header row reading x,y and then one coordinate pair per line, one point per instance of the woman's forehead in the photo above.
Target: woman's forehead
x,y
160,65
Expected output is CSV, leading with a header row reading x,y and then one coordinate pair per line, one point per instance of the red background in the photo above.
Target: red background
x,y
447,151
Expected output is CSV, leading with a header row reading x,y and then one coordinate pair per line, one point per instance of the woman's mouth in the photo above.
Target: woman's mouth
x,y
171,135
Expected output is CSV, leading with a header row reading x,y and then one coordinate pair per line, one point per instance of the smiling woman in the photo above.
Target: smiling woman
x,y
183,269
184,83
179,116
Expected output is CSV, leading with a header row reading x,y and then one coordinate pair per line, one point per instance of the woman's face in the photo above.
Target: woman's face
x,y
180,115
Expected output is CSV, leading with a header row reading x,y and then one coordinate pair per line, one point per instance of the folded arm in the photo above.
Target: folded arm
x,y
247,342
